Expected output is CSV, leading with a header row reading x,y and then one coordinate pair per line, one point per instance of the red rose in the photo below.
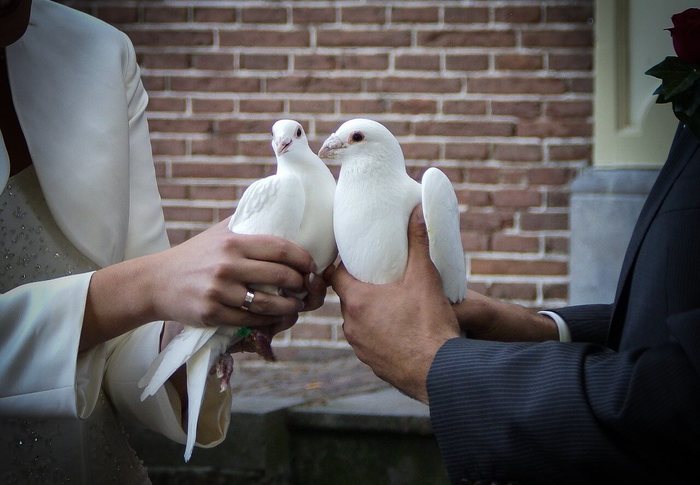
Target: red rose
x,y
686,35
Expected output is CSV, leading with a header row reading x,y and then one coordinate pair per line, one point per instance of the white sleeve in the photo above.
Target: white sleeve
x,y
564,333
40,326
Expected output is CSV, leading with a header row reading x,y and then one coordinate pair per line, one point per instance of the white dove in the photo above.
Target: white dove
x,y
295,204
374,199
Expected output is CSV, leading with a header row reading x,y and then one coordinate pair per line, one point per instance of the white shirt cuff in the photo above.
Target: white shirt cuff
x,y
564,333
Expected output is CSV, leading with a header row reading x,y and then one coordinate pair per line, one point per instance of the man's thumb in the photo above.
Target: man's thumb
x,y
418,242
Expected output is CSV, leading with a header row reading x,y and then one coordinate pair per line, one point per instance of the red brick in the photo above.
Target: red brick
x,y
254,148
509,152
570,62
118,15
208,192
356,106
555,291
414,106
168,147
414,15
162,14
215,84
570,13
310,84
177,236
171,191
581,85
413,62
332,62
476,198
366,38
264,38
558,199
255,15
237,126
212,105
312,106
471,38
167,125
170,38
518,267
556,245
467,62
558,38
569,109
518,15
516,198
197,214
544,222
215,145
521,109
466,15
257,105
215,14
313,15
569,152
163,60
550,176
491,221
508,243
393,84
558,129
513,291
519,62
463,128
516,85
160,168
466,151
264,61
363,15
420,151
165,104
213,61
461,107
220,170
474,241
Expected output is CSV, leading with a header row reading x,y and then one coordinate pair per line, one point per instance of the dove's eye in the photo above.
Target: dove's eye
x,y
298,132
357,136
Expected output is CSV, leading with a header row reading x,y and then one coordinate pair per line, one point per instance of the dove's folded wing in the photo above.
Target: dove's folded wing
x,y
273,206
441,214
178,351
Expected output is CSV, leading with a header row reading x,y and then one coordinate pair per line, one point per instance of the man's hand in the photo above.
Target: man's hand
x,y
398,328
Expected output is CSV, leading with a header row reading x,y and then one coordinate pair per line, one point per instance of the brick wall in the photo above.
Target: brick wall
x,y
498,94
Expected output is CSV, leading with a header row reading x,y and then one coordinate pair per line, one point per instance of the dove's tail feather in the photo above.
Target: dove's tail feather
x,y
197,371
178,351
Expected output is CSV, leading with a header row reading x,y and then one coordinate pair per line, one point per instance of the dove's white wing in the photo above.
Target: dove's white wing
x,y
179,350
273,206
441,214
197,371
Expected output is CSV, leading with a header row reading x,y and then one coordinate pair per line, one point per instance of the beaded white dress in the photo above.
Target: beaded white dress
x,y
53,450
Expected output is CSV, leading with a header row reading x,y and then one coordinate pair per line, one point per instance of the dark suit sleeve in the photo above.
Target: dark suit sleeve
x,y
554,412
587,323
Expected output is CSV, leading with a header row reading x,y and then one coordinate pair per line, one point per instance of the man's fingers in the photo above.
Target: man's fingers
x,y
341,279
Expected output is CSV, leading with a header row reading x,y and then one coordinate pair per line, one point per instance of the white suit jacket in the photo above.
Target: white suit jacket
x,y
80,101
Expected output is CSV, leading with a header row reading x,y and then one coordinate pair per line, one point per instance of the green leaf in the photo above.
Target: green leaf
x,y
244,332
676,76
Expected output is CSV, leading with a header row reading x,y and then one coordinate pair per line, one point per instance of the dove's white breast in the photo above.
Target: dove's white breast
x,y
371,220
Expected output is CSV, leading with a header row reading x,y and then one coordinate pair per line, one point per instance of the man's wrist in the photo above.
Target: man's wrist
x,y
562,327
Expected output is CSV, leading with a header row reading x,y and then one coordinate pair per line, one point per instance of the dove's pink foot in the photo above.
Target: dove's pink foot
x,y
224,370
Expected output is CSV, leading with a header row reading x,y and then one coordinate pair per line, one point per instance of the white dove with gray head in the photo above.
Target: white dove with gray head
x,y
374,199
295,204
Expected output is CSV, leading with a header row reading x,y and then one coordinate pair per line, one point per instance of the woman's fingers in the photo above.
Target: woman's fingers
x,y
276,250
267,273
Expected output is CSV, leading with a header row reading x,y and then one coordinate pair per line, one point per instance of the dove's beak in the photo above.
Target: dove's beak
x,y
281,145
330,147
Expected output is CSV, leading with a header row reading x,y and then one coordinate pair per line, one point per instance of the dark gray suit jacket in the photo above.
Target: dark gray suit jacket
x,y
621,403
